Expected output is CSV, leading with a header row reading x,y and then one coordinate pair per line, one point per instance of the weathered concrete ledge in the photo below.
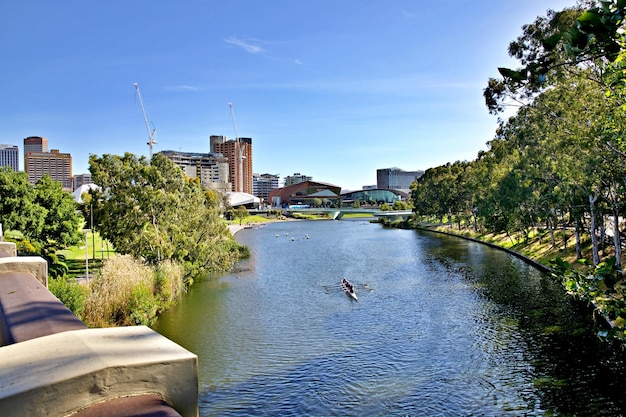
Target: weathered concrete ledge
x,y
52,365
28,310
8,247
34,265
67,372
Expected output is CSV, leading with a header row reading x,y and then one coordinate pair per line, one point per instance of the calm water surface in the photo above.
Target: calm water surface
x,y
443,327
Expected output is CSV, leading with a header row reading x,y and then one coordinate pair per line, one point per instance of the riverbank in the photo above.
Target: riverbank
x,y
538,248
234,228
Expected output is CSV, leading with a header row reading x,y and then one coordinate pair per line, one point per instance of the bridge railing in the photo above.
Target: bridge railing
x,y
51,364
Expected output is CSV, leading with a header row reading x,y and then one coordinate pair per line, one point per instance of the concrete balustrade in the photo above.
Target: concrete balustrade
x,y
34,265
9,248
52,365
67,372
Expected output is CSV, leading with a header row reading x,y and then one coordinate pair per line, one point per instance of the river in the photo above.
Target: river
x,y
442,327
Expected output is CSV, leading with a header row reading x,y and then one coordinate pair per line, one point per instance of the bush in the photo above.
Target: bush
x,y
70,293
114,293
143,305
127,292
169,283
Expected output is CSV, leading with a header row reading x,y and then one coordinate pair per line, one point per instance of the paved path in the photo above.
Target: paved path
x,y
234,228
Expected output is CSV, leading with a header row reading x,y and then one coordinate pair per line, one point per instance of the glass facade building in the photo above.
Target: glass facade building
x,y
10,157
396,178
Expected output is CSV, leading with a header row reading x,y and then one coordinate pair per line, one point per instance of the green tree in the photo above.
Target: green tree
x,y
18,208
150,211
61,227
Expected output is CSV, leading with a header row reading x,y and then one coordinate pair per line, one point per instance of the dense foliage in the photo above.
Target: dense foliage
x,y
41,218
558,164
149,210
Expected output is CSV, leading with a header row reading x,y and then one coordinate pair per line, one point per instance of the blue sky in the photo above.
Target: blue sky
x,y
333,89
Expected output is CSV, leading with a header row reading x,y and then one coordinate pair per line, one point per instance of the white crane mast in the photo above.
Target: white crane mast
x,y
151,133
239,149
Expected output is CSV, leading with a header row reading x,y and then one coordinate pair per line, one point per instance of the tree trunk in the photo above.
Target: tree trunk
x,y
617,239
475,220
578,232
551,229
563,230
602,237
593,198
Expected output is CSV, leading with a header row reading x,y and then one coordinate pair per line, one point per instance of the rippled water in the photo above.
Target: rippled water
x,y
443,327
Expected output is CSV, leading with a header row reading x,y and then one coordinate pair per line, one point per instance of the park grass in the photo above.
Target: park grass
x,y
75,255
537,246
356,216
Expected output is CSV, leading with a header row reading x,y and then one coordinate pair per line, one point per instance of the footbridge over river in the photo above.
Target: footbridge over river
x,y
338,213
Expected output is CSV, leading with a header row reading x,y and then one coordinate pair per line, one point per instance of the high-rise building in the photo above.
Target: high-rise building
x,y
395,178
35,144
262,184
211,169
10,157
81,179
57,165
238,152
296,178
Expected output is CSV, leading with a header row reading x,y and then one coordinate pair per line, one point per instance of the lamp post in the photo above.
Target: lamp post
x,y
86,231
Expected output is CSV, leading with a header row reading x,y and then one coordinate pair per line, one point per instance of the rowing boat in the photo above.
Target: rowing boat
x,y
348,288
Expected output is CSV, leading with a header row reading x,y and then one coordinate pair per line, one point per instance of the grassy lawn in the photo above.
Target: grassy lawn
x,y
540,250
98,249
356,215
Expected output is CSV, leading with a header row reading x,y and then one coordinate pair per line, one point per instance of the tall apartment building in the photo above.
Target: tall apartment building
x,y
296,178
211,169
57,165
80,180
35,144
10,157
262,184
395,178
231,150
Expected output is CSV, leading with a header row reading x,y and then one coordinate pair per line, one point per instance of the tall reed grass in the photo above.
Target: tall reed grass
x,y
129,292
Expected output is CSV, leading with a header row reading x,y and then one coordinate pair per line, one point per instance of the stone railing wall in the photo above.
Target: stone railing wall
x,y
51,364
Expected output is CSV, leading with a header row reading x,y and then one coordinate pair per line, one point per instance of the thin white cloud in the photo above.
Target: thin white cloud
x,y
298,62
245,45
183,87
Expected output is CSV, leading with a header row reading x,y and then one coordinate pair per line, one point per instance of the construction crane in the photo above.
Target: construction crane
x,y
240,149
151,133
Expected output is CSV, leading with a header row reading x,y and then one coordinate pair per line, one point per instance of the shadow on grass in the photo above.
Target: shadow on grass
x,y
78,268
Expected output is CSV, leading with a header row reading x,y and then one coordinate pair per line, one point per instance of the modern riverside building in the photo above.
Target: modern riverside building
x,y
296,178
262,184
373,196
304,193
10,157
395,178
210,168
239,154
57,165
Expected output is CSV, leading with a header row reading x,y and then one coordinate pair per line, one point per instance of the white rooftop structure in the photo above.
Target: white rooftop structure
x,y
240,199
78,193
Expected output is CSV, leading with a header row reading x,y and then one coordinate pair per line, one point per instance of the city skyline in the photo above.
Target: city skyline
x,y
335,90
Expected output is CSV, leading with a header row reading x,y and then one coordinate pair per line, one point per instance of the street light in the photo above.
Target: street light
x,y
86,231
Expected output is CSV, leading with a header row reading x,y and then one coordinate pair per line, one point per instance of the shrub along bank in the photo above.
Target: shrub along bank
x,y
124,292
